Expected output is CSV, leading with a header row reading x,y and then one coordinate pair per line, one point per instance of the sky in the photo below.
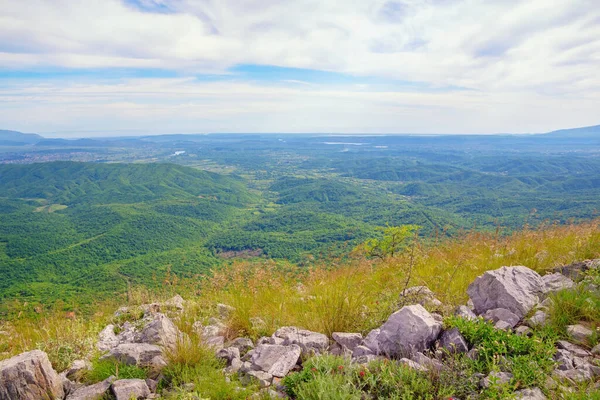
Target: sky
x,y
71,68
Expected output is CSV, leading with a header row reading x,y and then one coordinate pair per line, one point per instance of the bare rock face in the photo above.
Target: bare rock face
x,y
140,354
275,359
160,331
92,392
517,289
407,331
127,389
310,342
29,376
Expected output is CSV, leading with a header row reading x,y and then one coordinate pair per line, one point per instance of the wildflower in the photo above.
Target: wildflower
x,y
362,374
313,369
341,368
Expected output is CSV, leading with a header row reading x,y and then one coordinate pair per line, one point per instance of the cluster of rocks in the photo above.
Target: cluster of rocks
x,y
512,298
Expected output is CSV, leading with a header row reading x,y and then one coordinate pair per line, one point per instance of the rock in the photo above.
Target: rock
x,y
596,350
575,375
429,363
453,341
128,389
473,354
224,310
128,333
275,359
337,349
517,289
140,354
564,360
530,394
243,344
579,333
234,366
412,364
360,351
77,369
556,282
407,331
216,342
310,342
150,309
92,392
465,313
347,340
573,349
176,302
161,331
29,376
523,330
497,378
229,354
372,341
264,379
538,319
503,325
152,384
107,339
576,270
502,314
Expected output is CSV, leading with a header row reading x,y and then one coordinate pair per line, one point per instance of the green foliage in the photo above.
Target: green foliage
x,y
394,239
528,358
573,306
103,369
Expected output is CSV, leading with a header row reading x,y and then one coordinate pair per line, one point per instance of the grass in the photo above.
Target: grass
x,y
103,369
358,294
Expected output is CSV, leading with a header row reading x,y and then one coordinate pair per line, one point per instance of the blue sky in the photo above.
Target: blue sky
x,y
105,67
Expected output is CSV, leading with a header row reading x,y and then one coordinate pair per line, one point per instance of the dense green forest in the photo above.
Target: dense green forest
x,y
78,231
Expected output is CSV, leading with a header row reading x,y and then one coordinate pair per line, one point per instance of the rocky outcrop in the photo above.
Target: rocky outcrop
x,y
29,376
556,282
517,289
159,331
92,392
310,342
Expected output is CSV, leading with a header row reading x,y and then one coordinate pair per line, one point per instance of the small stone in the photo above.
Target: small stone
x,y
538,319
500,378
224,310
530,394
243,344
573,349
264,379
92,392
523,330
465,313
411,364
579,333
348,340
128,389
453,342
503,326
502,314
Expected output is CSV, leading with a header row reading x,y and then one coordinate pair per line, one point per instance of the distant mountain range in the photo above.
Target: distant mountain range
x,y
15,138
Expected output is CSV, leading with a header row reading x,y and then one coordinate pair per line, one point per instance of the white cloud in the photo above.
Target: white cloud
x,y
532,65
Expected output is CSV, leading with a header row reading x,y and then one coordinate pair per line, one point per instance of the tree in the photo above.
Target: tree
x,y
393,240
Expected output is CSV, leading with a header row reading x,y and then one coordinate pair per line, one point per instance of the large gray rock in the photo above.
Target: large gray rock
x,y
160,331
310,342
29,376
407,331
347,340
556,282
140,354
453,341
274,359
128,389
92,392
517,289
372,341
465,313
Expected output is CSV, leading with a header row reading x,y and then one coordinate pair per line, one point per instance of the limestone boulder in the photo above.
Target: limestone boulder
x,y
407,331
502,314
29,376
274,359
556,282
453,342
160,331
517,289
347,340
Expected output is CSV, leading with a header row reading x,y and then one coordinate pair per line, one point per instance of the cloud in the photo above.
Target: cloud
x,y
517,58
